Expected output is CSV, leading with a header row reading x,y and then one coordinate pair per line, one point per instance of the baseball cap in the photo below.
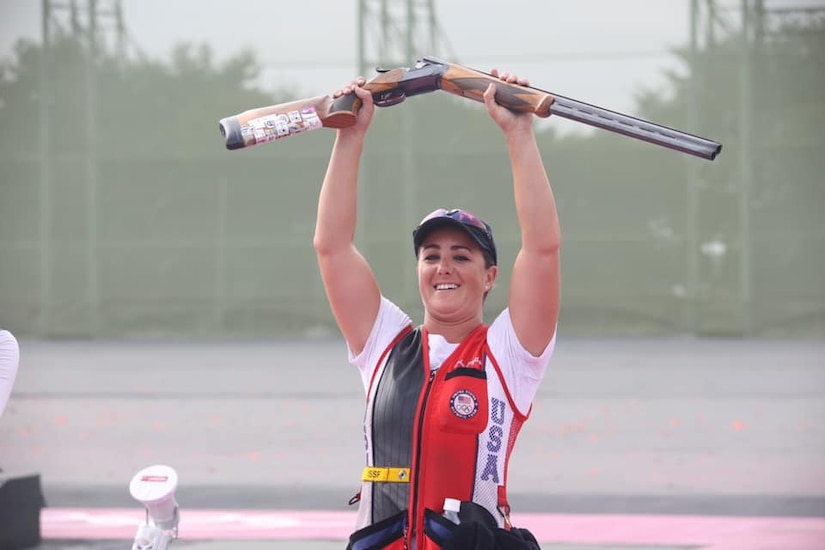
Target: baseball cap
x,y
478,229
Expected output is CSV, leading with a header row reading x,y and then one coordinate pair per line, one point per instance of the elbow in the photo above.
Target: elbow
x,y
553,245
332,238
326,246
322,246
541,236
547,246
550,250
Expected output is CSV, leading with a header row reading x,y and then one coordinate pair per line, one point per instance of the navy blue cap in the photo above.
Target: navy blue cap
x,y
478,229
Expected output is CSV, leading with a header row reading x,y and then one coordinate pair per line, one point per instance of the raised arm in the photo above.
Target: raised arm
x,y
349,282
535,281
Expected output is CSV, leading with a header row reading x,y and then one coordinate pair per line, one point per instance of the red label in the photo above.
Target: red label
x,y
162,479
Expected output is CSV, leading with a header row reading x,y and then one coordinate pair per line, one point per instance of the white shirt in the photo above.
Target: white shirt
x,y
9,360
522,371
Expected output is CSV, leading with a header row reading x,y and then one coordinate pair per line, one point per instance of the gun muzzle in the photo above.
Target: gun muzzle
x,y
231,132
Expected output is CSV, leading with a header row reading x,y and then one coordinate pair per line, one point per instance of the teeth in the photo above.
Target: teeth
x,y
449,286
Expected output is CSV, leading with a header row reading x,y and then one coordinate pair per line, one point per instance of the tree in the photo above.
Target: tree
x,y
142,107
771,163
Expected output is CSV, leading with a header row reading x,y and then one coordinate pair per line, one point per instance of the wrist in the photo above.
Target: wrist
x,y
519,135
350,138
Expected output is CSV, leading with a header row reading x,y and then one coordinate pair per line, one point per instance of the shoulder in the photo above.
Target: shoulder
x,y
520,370
507,349
389,322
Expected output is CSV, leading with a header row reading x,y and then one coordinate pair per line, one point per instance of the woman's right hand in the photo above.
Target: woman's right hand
x,y
365,113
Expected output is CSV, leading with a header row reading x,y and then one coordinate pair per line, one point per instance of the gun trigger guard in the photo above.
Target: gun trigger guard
x,y
389,98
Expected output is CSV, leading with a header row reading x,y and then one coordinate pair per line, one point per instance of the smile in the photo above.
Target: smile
x,y
446,286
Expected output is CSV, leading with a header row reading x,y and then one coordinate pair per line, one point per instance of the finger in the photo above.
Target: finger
x,y
364,95
348,89
494,72
490,94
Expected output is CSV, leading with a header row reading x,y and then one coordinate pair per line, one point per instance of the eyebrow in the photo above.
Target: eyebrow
x,y
454,247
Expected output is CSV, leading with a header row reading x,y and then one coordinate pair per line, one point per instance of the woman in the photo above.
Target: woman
x,y
445,400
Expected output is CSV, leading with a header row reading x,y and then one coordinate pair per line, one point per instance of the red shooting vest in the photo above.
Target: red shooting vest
x,y
454,427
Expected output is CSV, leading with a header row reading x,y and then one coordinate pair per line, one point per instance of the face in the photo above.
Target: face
x,y
452,276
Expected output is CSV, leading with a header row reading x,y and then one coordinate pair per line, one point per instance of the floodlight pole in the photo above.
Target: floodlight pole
x,y
692,289
92,221
393,33
746,170
45,185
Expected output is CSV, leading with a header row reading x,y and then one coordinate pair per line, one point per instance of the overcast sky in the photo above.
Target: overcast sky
x,y
598,51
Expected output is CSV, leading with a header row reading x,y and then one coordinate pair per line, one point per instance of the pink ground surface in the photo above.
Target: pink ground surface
x,y
712,533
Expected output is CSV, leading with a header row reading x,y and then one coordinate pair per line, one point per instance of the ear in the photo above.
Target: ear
x,y
490,277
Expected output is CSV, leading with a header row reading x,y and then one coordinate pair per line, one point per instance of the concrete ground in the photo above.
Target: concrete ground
x,y
298,545
667,427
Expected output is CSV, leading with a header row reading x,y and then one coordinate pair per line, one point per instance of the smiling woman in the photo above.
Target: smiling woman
x,y
457,252
446,398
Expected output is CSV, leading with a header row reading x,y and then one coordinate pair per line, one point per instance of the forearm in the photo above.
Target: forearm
x,y
535,203
338,199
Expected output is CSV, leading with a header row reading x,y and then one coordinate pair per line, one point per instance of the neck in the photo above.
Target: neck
x,y
454,331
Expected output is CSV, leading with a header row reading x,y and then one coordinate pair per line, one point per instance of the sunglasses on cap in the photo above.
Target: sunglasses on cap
x,y
462,216
478,229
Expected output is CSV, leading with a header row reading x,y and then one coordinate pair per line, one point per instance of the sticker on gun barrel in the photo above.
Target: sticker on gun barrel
x,y
277,126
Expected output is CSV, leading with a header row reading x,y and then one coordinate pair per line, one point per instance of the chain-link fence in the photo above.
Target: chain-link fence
x,y
125,217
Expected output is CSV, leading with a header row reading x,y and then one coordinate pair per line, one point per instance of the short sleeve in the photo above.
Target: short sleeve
x,y
389,322
522,371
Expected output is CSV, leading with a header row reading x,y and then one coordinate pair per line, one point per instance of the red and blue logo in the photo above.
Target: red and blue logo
x,y
464,404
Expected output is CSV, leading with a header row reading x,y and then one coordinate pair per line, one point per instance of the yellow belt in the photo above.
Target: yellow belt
x,y
387,475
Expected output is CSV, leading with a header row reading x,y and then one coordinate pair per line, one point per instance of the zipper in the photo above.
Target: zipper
x,y
418,446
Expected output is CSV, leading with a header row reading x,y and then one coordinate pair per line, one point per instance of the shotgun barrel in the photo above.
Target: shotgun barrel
x,y
457,81
633,127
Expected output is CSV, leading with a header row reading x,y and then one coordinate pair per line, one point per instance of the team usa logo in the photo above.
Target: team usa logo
x,y
464,404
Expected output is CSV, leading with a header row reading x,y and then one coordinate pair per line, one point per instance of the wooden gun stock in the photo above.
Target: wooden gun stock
x,y
265,124
472,84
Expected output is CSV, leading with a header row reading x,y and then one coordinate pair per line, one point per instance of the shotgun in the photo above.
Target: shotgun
x,y
392,86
